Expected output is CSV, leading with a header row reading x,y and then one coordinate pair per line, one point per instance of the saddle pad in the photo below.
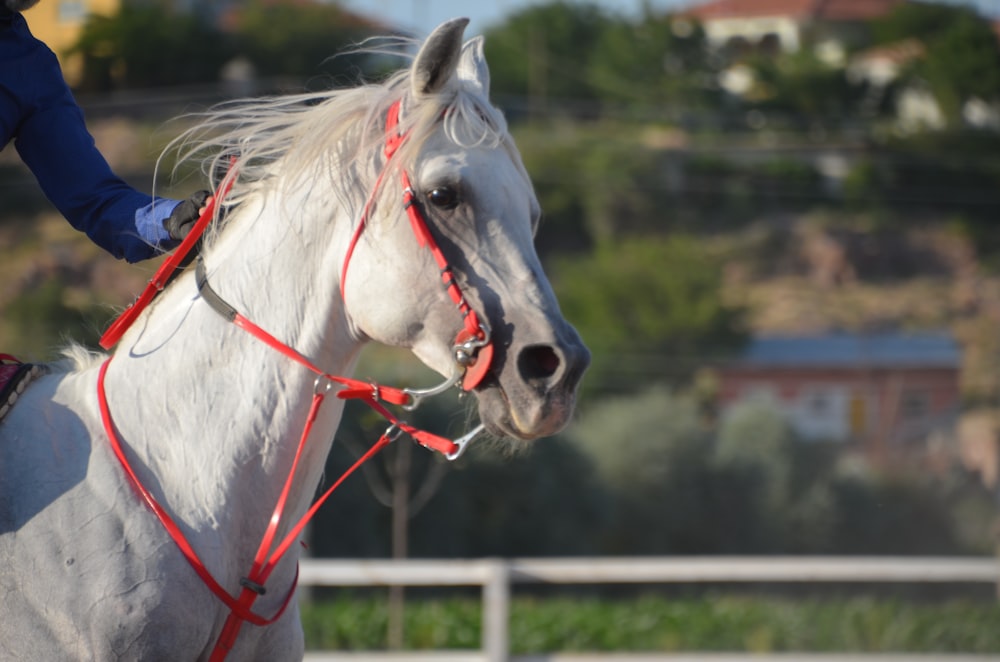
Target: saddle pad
x,y
14,378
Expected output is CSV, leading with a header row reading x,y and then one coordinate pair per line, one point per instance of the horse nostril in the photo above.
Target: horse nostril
x,y
538,362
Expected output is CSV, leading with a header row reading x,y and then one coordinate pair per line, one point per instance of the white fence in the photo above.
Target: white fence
x,y
496,576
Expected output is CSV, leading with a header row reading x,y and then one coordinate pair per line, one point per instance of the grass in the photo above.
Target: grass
x,y
712,623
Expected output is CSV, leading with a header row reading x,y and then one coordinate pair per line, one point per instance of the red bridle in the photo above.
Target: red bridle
x,y
473,350
473,347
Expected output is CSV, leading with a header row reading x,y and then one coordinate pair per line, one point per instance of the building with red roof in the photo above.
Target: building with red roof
x,y
785,25
882,392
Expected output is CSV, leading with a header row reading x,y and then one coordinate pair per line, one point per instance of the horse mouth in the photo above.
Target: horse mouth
x,y
530,392
525,417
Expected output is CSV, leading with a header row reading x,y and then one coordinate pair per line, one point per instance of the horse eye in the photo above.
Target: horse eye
x,y
443,197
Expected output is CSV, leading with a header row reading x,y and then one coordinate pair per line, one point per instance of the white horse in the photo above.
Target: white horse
x,y
209,417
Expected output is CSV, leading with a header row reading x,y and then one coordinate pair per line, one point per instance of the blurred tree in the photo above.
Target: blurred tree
x,y
637,299
151,44
756,435
607,181
963,63
651,449
622,189
595,183
577,54
302,39
803,87
753,448
882,514
148,45
544,52
553,164
962,59
659,59
919,20
537,499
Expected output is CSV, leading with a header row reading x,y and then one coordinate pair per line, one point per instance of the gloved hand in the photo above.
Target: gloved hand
x,y
184,215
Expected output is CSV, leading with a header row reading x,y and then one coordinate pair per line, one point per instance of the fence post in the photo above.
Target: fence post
x,y
997,583
496,611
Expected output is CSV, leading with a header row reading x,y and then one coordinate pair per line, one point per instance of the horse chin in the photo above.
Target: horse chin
x,y
522,413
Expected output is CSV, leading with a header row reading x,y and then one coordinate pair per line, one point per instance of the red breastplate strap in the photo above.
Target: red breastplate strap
x,y
268,555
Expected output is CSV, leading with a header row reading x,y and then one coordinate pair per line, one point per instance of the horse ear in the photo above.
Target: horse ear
x,y
472,67
438,57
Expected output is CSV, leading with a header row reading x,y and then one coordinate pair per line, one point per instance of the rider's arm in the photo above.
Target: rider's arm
x,y
54,143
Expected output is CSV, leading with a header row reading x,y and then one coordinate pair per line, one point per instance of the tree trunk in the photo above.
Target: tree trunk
x,y
400,522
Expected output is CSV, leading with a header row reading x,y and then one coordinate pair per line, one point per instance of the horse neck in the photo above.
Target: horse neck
x,y
213,414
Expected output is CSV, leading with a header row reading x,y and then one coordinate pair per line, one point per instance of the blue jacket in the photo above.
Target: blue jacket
x,y
38,112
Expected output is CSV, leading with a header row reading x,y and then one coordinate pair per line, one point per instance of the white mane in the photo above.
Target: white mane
x,y
76,357
330,134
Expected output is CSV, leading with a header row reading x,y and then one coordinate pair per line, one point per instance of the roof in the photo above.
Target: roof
x,y
928,350
827,10
717,9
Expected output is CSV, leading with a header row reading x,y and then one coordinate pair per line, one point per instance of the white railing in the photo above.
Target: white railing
x,y
496,576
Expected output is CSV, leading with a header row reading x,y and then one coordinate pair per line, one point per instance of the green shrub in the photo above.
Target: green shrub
x,y
653,623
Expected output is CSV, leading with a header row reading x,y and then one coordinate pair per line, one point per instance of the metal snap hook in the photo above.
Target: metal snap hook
x,y
463,442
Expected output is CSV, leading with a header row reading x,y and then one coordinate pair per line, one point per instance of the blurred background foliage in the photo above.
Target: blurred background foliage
x,y
663,196
146,45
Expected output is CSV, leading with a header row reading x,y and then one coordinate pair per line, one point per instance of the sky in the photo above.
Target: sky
x,y
422,16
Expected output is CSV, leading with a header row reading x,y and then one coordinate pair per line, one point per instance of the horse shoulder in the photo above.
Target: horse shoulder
x,y
84,567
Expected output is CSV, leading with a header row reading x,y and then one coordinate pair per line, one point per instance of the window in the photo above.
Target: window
x,y
914,404
822,413
817,403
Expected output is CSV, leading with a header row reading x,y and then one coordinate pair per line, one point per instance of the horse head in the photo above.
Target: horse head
x,y
465,176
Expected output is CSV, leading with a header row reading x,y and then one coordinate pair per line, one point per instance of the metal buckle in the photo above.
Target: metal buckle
x,y
463,442
393,432
465,353
323,385
246,582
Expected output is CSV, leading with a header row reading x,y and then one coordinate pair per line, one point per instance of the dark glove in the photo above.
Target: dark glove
x,y
184,215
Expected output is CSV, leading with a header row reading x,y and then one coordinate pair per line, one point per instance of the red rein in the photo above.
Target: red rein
x,y
474,340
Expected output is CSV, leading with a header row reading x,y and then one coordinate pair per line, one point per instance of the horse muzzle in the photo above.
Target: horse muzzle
x,y
533,393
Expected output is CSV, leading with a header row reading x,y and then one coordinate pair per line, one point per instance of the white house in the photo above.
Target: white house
x,y
828,26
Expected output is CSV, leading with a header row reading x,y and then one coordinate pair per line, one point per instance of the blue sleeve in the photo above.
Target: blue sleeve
x,y
54,143
149,221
